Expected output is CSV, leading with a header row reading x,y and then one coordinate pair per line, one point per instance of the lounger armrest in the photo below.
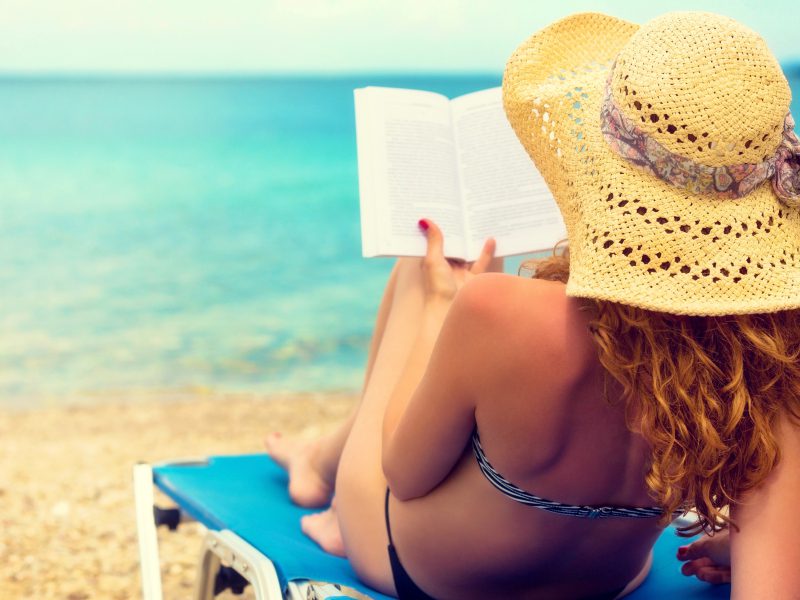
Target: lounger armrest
x,y
146,530
228,548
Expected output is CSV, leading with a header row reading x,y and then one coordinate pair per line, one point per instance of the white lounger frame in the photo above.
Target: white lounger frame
x,y
219,547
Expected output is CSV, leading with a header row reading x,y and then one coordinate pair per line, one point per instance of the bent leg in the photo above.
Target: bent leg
x,y
360,484
312,465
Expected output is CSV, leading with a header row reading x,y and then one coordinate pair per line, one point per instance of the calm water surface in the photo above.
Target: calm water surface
x,y
162,234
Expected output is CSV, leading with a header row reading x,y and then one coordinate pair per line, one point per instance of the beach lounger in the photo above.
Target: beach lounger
x,y
253,536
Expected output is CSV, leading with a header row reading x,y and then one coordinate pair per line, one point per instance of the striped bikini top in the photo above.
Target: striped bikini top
x,y
523,497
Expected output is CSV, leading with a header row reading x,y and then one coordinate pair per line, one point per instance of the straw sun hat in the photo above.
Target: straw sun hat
x,y
670,150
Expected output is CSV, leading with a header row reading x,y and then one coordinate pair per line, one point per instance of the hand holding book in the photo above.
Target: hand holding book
x,y
456,162
444,277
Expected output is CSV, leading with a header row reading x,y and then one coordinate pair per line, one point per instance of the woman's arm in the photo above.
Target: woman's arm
x,y
765,552
424,443
430,415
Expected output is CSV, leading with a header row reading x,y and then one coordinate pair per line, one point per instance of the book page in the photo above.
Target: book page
x,y
407,171
504,195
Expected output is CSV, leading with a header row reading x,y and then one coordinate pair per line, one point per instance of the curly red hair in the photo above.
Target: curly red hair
x,y
705,392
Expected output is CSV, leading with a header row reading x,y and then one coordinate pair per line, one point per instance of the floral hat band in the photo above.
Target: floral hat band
x,y
733,181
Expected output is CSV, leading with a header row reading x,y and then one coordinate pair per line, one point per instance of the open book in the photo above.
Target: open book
x,y
457,162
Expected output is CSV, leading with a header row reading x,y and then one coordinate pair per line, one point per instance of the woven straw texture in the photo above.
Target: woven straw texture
x,y
704,87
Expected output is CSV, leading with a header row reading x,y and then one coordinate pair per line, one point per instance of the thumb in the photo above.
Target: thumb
x,y
486,257
435,239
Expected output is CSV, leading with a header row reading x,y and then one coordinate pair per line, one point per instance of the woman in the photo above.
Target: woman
x,y
522,438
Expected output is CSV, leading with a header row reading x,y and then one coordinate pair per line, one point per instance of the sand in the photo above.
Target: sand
x,y
68,528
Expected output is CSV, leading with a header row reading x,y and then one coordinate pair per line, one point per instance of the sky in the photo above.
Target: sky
x,y
317,36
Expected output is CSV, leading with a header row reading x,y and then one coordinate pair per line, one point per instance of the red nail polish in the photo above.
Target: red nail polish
x,y
423,224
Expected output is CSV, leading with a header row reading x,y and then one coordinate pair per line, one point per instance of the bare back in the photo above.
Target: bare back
x,y
551,422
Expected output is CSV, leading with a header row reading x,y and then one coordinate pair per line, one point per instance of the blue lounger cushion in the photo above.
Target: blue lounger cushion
x,y
247,494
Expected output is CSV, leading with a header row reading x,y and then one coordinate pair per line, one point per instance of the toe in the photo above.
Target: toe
x,y
277,448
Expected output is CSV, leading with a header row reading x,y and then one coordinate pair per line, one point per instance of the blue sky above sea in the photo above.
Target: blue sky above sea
x,y
317,36
178,183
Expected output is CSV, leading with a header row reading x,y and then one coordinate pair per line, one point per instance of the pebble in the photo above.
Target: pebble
x,y
78,465
60,510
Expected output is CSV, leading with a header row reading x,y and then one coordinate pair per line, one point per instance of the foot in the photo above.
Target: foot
x,y
308,485
323,528
708,559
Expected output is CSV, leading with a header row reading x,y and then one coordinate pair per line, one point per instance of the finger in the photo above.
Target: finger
x,y
694,550
486,257
435,239
497,265
715,575
693,566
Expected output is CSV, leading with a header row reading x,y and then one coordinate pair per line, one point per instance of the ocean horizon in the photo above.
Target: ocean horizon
x,y
179,232
184,234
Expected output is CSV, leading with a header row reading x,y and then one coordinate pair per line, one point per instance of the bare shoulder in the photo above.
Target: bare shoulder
x,y
523,326
496,293
527,352
530,315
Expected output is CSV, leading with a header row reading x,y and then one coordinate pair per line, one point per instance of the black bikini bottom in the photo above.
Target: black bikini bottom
x,y
405,586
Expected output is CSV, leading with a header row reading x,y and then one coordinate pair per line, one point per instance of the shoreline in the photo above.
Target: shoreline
x,y
24,403
68,527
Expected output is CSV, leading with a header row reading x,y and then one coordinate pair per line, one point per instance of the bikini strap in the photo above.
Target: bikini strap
x,y
386,516
572,510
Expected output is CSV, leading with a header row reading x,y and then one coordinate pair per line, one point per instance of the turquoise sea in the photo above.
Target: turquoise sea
x,y
186,233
